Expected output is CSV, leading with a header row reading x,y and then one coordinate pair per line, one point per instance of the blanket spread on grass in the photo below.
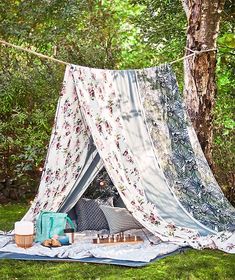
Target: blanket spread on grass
x,y
83,248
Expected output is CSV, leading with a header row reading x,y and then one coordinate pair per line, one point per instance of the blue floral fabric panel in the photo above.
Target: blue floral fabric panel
x,y
178,150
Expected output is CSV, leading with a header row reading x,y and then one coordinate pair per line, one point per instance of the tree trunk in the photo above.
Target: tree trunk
x,y
199,71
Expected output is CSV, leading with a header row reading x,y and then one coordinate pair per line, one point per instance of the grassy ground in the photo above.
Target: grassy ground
x,y
190,265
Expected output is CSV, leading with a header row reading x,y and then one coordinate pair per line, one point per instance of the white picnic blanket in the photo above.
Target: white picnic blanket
x,y
84,247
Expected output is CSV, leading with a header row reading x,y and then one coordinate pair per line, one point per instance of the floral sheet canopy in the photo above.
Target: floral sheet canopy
x,y
134,123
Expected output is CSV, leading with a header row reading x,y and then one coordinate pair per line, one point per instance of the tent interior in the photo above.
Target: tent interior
x,y
100,207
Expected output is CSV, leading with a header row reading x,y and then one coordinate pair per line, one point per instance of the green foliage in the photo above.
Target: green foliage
x,y
227,41
27,106
224,123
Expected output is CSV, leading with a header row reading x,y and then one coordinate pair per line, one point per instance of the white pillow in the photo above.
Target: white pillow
x,y
119,219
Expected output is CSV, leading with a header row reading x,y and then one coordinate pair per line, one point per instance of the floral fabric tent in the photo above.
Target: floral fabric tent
x,y
135,124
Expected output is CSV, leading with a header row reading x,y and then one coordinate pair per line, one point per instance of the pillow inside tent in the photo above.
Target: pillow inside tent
x,y
119,219
89,215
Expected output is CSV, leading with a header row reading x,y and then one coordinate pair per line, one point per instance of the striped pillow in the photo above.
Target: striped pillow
x,y
89,215
119,219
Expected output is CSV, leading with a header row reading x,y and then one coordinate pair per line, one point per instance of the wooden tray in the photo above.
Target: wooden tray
x,y
122,240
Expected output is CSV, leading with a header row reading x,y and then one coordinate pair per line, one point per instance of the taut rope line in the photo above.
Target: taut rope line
x,y
67,63
33,52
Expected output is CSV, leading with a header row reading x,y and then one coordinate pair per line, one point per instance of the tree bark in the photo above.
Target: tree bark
x,y
199,71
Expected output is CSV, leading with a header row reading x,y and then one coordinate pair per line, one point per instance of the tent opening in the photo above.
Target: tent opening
x,y
101,208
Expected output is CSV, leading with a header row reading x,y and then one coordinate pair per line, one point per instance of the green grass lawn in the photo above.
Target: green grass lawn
x,y
190,265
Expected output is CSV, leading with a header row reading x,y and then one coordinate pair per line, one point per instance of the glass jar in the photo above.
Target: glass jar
x,y
70,233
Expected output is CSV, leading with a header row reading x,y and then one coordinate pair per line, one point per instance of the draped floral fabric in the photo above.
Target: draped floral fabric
x,y
92,105
67,152
179,153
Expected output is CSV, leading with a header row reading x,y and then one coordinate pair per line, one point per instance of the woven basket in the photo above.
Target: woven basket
x,y
24,241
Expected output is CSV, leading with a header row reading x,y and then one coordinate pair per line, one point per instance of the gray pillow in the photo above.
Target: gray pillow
x,y
119,219
89,215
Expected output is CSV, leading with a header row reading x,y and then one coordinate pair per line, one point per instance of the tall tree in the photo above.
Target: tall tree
x,y
199,71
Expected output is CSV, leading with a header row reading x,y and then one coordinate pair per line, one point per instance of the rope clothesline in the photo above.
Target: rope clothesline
x,y
33,52
67,63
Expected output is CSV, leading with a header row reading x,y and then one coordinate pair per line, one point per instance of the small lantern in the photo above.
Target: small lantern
x,y
24,231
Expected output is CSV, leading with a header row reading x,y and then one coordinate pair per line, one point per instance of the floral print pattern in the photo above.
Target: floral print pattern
x,y
90,107
67,152
180,157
